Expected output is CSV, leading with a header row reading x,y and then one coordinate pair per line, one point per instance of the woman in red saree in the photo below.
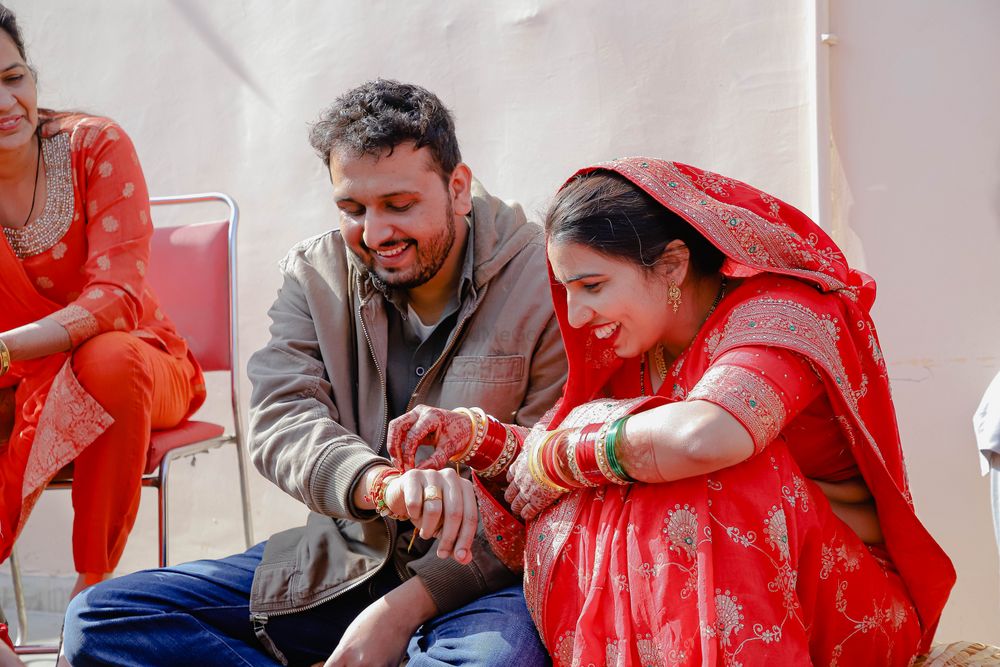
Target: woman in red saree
x,y
704,492
88,362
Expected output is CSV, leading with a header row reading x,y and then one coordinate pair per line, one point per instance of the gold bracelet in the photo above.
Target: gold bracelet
x,y
479,423
535,465
4,358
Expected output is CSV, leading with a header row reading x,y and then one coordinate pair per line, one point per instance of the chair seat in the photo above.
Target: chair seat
x,y
960,654
185,433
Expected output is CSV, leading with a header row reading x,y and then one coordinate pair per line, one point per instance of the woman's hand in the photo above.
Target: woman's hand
x,y
525,495
437,502
449,433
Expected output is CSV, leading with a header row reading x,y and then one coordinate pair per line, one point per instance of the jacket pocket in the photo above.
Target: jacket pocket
x,y
493,370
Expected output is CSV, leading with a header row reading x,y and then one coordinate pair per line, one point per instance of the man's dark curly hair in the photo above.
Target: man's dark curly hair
x,y
381,114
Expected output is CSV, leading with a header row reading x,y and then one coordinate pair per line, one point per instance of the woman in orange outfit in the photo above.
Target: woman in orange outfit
x,y
88,362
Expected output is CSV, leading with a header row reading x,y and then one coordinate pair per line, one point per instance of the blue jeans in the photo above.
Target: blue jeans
x,y
199,614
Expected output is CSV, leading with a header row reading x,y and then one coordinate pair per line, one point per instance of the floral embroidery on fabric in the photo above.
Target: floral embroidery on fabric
x,y
729,616
739,232
563,652
714,183
682,530
777,531
70,420
649,649
57,215
747,397
79,322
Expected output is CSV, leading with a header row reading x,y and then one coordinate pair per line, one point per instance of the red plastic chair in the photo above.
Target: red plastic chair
x,y
192,271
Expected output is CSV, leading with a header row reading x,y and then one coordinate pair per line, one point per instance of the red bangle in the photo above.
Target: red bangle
x,y
491,447
586,456
555,448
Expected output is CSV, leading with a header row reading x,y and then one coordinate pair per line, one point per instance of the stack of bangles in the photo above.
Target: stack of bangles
x,y
493,446
588,457
376,494
4,358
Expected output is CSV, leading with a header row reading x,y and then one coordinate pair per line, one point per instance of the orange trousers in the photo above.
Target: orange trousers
x,y
142,388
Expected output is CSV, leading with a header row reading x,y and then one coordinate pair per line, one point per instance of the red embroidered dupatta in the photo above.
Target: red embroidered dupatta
x,y
55,417
828,324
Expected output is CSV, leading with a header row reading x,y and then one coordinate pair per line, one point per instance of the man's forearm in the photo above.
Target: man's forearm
x,y
412,602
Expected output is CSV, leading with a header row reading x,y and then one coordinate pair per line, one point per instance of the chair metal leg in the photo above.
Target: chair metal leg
x,y
241,463
22,609
161,496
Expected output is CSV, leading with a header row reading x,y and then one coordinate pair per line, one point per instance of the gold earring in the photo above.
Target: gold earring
x,y
674,296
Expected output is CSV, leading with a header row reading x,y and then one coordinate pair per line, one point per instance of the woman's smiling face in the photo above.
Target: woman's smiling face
x,y
616,299
18,97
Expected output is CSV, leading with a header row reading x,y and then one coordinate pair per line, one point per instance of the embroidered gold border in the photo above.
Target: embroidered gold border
x,y
751,400
793,326
78,321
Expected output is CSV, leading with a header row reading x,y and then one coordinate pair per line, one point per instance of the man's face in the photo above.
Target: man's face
x,y
396,213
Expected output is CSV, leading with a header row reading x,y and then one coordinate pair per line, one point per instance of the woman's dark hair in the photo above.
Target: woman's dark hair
x,y
381,114
611,215
8,23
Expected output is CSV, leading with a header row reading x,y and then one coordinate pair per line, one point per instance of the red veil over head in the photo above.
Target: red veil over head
x,y
822,315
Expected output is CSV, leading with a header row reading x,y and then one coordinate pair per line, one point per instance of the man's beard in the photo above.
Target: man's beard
x,y
431,255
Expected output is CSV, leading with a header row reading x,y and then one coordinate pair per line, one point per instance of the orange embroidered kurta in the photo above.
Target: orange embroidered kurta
x,y
82,261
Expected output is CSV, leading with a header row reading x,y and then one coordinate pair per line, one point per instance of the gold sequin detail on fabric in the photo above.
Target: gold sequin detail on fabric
x,y
45,231
748,397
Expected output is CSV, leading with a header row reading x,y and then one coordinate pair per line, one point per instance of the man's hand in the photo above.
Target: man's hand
x,y
438,502
378,637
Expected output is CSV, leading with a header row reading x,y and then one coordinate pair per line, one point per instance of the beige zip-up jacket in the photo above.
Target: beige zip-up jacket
x,y
319,413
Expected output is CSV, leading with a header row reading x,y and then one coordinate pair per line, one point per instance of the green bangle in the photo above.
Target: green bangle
x,y
611,443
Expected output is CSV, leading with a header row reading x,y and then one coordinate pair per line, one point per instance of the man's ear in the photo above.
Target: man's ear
x,y
460,189
675,259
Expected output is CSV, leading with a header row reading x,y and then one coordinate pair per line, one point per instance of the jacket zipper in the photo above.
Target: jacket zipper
x,y
381,378
385,426
260,619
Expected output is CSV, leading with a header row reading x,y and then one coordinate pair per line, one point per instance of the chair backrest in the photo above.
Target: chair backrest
x,y
193,274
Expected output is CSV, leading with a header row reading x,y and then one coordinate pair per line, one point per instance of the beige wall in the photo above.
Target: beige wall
x,y
218,96
914,96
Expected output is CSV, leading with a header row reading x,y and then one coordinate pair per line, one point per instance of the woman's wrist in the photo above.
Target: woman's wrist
x,y
493,446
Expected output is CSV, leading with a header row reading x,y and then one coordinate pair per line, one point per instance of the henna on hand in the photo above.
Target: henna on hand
x,y
525,495
449,433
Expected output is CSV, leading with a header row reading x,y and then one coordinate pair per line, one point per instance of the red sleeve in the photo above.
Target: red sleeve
x,y
764,388
118,230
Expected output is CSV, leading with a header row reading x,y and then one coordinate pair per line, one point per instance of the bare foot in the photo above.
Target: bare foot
x,y
86,580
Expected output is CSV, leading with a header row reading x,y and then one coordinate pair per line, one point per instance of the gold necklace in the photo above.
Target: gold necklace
x,y
658,356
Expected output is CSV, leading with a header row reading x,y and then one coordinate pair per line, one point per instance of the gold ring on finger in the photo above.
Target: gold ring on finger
x,y
432,493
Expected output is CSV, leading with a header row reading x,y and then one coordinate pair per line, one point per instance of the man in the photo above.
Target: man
x,y
431,291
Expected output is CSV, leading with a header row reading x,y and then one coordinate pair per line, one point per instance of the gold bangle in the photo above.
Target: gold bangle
x,y
479,423
4,357
535,465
